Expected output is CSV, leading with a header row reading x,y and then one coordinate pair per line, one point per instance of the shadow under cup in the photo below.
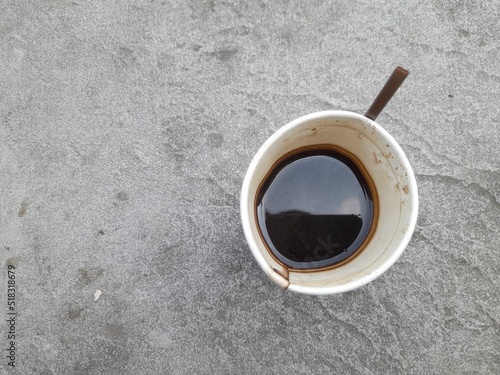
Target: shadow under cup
x,y
393,181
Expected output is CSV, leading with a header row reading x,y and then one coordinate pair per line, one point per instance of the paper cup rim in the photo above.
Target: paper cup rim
x,y
356,282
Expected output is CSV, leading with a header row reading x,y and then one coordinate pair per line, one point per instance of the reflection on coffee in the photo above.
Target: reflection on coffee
x,y
315,209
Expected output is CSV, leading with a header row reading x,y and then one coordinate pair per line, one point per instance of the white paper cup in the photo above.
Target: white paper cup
x,y
395,186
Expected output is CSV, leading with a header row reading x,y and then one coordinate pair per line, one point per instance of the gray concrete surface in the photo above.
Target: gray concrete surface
x,y
126,129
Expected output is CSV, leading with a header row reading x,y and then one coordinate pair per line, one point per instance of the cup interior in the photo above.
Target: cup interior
x,y
393,180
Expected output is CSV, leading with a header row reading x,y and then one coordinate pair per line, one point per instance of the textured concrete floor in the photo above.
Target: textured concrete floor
x,y
126,129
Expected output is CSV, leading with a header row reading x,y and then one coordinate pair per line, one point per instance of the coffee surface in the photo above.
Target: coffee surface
x,y
315,209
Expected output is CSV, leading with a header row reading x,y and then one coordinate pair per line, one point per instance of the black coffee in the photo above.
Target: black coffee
x,y
315,209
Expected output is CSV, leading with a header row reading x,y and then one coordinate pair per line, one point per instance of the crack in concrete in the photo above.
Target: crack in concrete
x,y
459,261
474,186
